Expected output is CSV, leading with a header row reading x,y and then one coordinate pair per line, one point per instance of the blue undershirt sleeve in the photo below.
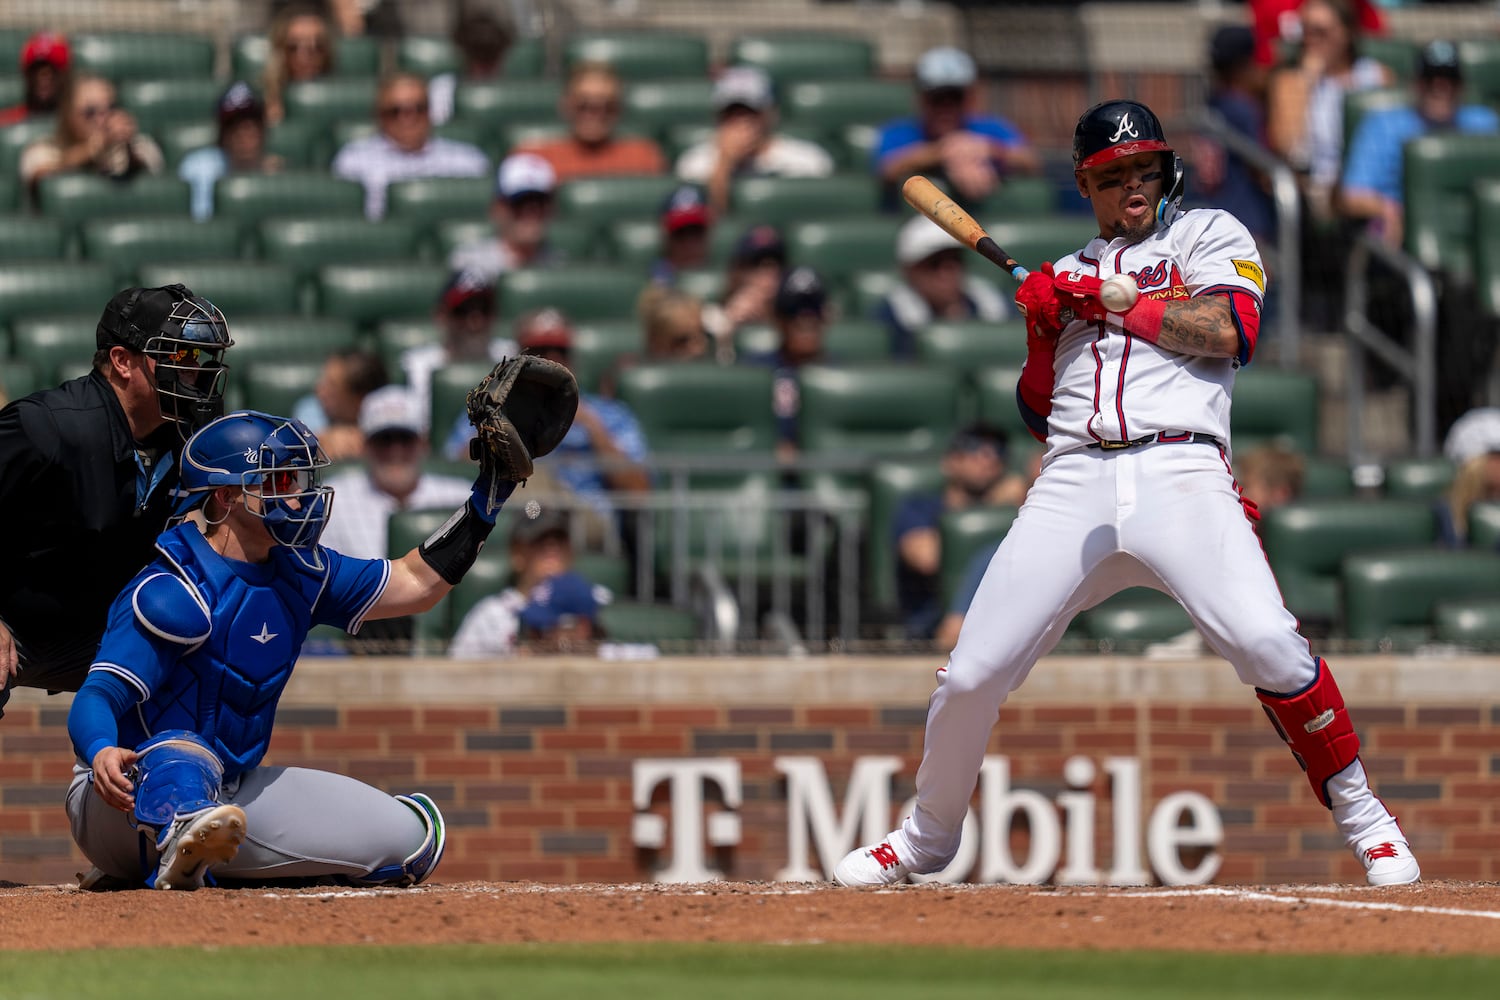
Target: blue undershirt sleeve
x,y
93,721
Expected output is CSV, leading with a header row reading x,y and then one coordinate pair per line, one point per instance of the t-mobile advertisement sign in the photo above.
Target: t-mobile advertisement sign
x,y
1176,844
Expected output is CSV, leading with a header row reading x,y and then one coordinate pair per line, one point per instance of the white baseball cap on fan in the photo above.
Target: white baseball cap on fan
x,y
920,238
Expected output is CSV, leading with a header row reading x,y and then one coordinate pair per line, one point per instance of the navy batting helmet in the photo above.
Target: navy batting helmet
x,y
274,458
1113,129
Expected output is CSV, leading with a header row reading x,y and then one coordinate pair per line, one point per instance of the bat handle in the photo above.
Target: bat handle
x,y
1019,273
990,250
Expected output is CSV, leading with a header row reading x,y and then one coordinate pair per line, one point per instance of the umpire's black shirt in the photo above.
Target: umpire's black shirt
x,y
80,509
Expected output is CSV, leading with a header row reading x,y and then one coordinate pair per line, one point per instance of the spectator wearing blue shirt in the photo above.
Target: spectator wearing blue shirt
x,y
948,139
241,148
1372,186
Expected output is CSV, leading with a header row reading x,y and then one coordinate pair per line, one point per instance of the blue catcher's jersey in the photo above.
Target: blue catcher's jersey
x,y
224,685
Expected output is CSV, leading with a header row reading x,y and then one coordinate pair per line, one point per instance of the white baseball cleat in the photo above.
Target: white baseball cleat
x,y
1389,862
875,865
198,842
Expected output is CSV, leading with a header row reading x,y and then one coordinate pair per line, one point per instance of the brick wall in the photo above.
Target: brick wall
x,y
532,760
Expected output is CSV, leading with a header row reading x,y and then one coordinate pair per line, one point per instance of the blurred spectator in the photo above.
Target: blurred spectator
x,y
332,410
949,139
800,312
745,142
1372,190
93,135
591,108
1237,94
755,270
603,450
1277,29
301,48
976,473
935,286
394,425
1476,481
483,40
548,607
44,67
404,147
521,212
241,148
1305,101
1269,475
685,225
465,314
672,324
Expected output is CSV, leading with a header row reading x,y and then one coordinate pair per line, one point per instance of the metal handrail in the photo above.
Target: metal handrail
x,y
1284,194
1417,365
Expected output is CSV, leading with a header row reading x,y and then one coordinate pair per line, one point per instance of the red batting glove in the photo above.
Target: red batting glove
x,y
1037,300
1079,292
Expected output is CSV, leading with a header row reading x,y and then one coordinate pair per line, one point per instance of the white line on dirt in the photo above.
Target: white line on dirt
x,y
1251,896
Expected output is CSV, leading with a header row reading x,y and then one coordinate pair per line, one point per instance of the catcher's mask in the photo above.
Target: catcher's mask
x,y
276,459
186,336
1113,129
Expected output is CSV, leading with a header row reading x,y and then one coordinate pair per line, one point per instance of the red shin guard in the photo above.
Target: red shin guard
x,y
1315,725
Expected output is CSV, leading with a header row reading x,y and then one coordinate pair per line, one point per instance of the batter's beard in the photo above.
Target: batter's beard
x,y
1135,234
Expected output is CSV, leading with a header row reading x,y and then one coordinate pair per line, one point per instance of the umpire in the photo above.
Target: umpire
x,y
87,476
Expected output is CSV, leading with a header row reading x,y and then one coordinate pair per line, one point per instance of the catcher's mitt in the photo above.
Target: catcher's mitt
x,y
521,410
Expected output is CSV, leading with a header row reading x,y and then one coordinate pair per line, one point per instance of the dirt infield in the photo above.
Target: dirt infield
x,y
1430,919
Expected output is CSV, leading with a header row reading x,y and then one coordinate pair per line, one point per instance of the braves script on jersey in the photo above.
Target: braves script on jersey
x,y
1113,387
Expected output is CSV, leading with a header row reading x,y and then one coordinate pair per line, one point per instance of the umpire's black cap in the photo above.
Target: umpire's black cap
x,y
135,315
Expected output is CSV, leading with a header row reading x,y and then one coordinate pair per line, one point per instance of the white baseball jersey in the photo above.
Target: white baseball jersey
x,y
1110,386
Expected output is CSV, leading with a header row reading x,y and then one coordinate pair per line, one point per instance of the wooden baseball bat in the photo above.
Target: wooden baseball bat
x,y
923,195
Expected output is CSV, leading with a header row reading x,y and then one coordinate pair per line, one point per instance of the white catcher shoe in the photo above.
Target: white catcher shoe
x,y
1388,862
875,865
197,843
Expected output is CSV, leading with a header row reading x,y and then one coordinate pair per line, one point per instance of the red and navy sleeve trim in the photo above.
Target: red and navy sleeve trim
x,y
1244,307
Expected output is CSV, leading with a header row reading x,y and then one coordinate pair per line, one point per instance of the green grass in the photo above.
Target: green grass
x,y
709,972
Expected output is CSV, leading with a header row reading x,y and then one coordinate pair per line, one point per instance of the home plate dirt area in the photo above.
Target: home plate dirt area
x,y
1430,918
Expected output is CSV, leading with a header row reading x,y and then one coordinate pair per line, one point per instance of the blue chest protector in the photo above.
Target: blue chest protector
x,y
226,688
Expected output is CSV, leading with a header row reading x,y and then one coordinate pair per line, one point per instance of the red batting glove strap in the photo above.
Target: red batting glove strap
x,y
1079,293
1037,299
1144,318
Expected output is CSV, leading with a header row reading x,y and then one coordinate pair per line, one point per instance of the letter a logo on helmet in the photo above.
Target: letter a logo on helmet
x,y
1125,129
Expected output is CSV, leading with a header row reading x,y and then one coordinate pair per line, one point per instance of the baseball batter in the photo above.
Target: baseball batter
x,y
1135,490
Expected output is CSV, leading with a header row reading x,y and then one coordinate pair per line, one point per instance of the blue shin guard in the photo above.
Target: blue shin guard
x,y
178,775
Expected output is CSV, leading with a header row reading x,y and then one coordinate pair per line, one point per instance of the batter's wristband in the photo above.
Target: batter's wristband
x,y
452,549
1145,318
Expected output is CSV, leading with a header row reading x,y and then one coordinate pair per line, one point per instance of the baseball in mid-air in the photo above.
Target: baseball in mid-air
x,y
1118,293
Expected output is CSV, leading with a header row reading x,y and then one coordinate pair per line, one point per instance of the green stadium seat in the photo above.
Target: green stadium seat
x,y
1467,621
427,55
251,198
705,408
838,247
25,237
126,244
706,283
856,340
1359,103
599,345
1022,197
395,337
489,575
867,289
962,534
1487,245
1393,595
355,56
572,239
143,55
1480,59
50,288
15,138
10,194
1273,405
604,200
332,99
582,292
1307,541
1484,525
426,201
1439,178
847,410
156,103
510,136
12,90
890,483
450,385
995,400
640,55
783,200
508,101
637,242
835,104
1136,615
859,140
643,621
369,293
1325,477
12,41
1419,478
1034,240
249,288
1399,55
654,105
305,245
76,198
805,55
19,377
971,345
272,386
262,339
527,59
54,343
179,138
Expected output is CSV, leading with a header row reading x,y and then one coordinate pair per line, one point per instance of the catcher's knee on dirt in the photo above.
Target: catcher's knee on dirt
x,y
421,862
177,774
1314,723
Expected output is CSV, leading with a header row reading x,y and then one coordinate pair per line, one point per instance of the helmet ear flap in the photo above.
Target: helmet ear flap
x,y
1173,189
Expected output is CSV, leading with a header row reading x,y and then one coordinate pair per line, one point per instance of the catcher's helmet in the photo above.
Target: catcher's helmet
x,y
274,458
186,335
1113,129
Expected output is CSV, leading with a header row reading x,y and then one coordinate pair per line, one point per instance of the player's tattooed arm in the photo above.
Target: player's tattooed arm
x,y
1202,326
